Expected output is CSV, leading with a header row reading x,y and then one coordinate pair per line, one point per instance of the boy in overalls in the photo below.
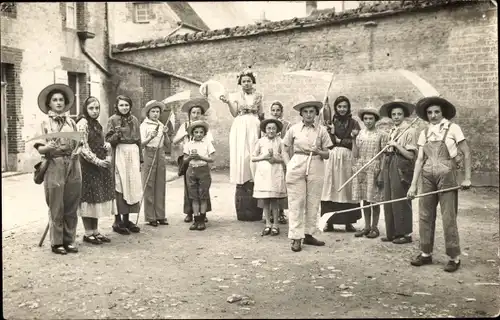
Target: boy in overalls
x,y
437,161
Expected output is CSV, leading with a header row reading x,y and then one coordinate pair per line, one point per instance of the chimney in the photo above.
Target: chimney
x,y
262,18
311,6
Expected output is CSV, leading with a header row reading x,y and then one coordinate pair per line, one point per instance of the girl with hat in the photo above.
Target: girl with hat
x,y
246,108
125,138
438,145
276,111
367,144
303,185
270,188
195,109
198,152
154,141
98,195
63,178
397,171
343,131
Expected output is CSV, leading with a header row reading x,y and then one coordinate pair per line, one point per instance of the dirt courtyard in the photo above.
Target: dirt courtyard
x,y
171,272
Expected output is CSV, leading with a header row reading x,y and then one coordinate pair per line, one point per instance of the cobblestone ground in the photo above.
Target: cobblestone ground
x,y
171,272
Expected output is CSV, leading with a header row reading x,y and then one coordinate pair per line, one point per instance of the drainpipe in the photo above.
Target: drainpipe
x,y
83,36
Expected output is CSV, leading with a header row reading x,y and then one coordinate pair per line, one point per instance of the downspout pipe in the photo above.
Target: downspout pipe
x,y
140,66
83,36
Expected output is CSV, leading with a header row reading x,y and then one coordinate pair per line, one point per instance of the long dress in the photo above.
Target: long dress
x,y
124,135
270,177
338,168
181,132
244,133
364,185
97,182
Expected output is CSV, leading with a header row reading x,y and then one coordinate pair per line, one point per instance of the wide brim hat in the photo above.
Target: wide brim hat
x,y
197,123
369,110
264,123
42,97
309,101
196,102
408,108
152,104
447,108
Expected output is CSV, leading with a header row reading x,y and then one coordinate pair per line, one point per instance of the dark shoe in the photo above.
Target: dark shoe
x,y
349,228
452,266
59,250
153,223
120,228
194,226
362,232
296,246
402,240
70,248
188,218
312,241
201,225
163,222
421,260
387,239
282,220
91,239
275,231
373,233
205,219
102,238
266,231
132,227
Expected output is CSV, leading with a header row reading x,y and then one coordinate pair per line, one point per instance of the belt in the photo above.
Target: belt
x,y
305,153
197,165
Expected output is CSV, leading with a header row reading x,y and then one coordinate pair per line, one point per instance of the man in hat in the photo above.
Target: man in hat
x,y
309,140
439,146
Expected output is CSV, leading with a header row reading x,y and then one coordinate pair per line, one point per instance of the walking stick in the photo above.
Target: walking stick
x,y
308,164
324,219
44,234
375,157
150,170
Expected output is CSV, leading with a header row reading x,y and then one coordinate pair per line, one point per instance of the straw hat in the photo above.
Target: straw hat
x,y
42,97
264,123
196,124
369,110
150,105
308,101
386,109
196,102
447,108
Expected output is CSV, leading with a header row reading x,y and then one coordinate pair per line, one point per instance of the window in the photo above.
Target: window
x,y
74,84
71,15
141,12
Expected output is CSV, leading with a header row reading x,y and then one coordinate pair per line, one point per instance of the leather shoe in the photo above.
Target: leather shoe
x,y
296,246
310,240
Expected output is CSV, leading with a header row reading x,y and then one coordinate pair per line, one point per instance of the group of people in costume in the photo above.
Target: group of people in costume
x,y
275,165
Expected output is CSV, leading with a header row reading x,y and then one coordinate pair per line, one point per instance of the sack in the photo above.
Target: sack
x,y
182,166
40,169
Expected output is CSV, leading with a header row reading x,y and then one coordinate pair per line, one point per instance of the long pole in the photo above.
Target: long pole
x,y
308,164
328,215
375,157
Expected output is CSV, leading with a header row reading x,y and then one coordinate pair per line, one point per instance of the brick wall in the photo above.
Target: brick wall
x,y
453,47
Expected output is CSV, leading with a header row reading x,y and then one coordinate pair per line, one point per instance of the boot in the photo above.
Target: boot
x,y
194,226
201,223
188,218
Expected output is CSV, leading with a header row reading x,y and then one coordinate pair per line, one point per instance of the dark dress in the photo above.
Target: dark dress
x,y
340,168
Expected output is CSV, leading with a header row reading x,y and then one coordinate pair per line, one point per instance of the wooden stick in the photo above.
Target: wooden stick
x,y
374,157
44,235
324,219
308,164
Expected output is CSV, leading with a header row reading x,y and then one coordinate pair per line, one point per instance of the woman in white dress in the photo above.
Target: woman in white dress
x,y
246,108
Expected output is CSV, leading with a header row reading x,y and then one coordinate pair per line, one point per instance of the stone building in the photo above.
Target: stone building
x,y
43,43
